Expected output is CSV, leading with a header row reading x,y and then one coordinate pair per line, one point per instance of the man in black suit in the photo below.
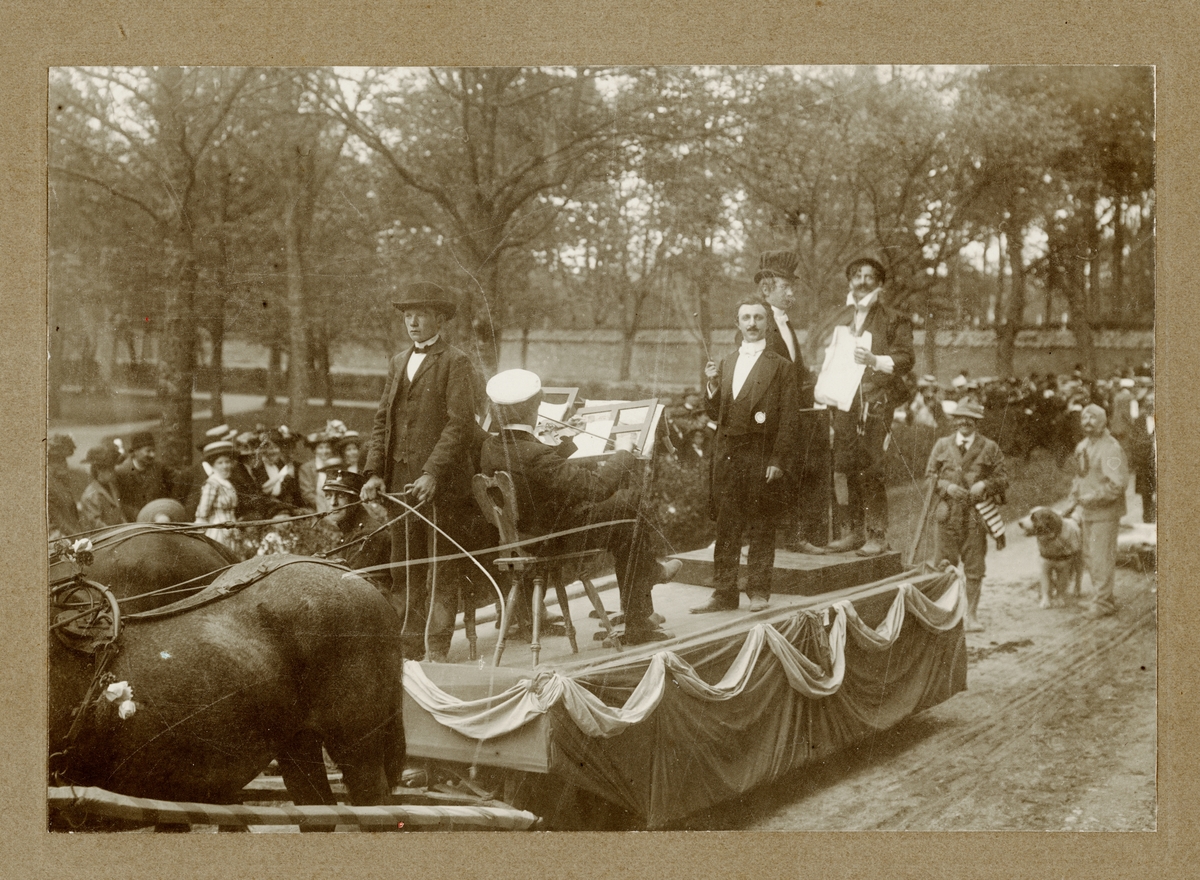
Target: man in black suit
x,y
141,478
554,494
862,428
752,398
424,444
776,285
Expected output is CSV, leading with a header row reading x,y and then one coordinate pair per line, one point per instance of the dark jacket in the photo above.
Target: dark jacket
x,y
437,433
138,487
766,407
553,493
892,335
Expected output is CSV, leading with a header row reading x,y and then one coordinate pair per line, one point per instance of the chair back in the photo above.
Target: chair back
x,y
497,498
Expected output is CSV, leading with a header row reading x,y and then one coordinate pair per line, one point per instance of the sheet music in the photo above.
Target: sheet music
x,y
840,376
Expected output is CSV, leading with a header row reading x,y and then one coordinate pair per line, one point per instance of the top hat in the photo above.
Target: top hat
x,y
426,293
140,440
867,261
513,386
968,408
777,264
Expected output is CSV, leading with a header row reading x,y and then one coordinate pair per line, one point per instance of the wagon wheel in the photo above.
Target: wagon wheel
x,y
86,615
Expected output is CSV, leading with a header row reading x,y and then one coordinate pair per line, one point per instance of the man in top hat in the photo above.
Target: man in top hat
x,y
776,285
752,398
1098,496
861,425
555,494
424,445
141,478
968,468
100,505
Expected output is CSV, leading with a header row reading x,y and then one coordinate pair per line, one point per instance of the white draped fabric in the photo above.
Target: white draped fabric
x,y
492,717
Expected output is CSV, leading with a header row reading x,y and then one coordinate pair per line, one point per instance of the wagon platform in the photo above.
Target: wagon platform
x,y
643,736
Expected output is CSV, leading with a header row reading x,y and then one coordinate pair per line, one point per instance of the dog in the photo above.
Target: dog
x,y
1060,543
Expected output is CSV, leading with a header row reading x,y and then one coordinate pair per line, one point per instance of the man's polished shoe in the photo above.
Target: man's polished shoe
x,y
846,544
873,547
715,604
670,568
758,605
645,635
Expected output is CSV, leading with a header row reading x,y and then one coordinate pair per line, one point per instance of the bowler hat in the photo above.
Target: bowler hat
x,y
867,261
140,440
426,293
968,408
777,264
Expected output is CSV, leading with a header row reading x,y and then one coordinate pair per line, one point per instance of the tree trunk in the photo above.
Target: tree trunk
x,y
297,316
931,328
1014,307
179,366
216,330
1124,303
274,368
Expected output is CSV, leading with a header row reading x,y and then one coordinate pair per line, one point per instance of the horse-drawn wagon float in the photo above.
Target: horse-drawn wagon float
x,y
582,731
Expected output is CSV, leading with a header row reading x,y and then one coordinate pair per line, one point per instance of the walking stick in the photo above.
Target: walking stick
x,y
929,494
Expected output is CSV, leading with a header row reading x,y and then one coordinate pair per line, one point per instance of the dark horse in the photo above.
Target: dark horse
x,y
148,565
277,657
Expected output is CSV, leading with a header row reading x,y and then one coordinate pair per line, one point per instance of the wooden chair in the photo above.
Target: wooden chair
x,y
497,498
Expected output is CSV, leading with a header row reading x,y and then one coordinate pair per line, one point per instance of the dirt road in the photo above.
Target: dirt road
x,y
1056,731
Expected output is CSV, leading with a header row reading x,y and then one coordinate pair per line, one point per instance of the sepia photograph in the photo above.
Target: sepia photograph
x,y
601,448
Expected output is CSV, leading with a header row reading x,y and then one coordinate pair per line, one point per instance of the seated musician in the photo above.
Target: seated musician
x,y
554,494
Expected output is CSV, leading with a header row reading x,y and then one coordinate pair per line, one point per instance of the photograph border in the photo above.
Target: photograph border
x,y
855,31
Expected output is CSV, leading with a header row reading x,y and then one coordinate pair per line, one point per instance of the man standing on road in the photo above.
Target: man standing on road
x,y
883,353
968,468
1102,474
424,445
752,398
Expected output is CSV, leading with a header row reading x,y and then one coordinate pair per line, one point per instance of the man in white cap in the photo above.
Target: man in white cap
x,y
1098,493
968,469
422,446
554,494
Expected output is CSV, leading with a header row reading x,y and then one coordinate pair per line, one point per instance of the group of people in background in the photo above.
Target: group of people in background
x,y
243,476
781,442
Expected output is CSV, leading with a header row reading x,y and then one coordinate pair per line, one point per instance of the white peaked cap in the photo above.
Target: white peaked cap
x,y
513,386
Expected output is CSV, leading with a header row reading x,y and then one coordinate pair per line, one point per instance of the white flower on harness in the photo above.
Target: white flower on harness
x,y
83,545
121,690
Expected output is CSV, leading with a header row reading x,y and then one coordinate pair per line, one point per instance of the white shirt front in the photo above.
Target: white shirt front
x,y
418,355
748,355
883,362
785,330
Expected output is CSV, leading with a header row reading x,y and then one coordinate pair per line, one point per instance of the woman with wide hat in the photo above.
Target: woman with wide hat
x,y
100,505
218,497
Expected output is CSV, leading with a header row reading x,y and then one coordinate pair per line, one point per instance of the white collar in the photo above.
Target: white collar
x,y
780,314
866,302
423,347
752,348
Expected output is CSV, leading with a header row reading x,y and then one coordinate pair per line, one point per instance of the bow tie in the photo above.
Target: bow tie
x,y
752,349
421,349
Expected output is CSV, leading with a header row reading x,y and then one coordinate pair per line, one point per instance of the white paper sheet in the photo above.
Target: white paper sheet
x,y
840,376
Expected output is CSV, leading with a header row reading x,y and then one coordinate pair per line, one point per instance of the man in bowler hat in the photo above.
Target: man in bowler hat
x,y
424,446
